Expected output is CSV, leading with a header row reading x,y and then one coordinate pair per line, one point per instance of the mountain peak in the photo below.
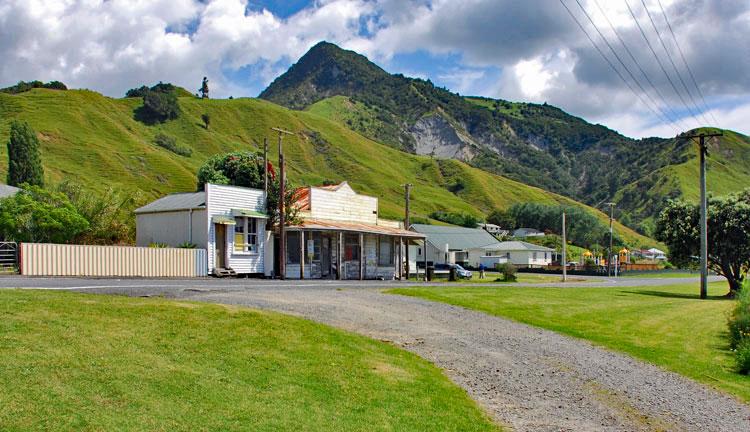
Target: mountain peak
x,y
325,70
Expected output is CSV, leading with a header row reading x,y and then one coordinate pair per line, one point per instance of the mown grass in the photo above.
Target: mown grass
x,y
666,325
97,141
84,362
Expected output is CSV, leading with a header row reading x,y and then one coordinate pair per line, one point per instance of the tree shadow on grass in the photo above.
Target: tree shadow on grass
x,y
666,294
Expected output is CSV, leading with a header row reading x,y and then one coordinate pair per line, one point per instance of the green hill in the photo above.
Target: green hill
x,y
537,144
96,141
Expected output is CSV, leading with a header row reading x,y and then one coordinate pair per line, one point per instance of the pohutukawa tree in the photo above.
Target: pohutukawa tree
x,y
728,235
24,161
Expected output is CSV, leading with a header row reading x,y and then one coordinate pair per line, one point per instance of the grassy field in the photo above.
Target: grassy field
x,y
83,362
667,326
96,141
493,276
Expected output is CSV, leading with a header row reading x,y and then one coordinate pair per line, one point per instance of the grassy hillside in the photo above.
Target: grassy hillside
x,y
95,140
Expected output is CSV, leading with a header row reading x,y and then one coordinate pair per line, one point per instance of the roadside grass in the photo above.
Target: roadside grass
x,y
85,362
663,275
668,326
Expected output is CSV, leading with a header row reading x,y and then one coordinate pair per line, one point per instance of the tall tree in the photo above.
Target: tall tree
x,y
24,161
204,88
728,235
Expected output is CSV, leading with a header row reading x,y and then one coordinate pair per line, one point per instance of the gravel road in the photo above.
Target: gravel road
x,y
527,378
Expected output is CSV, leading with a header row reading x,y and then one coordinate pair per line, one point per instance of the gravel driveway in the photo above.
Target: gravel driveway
x,y
527,378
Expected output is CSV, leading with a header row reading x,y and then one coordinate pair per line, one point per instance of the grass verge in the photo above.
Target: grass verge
x,y
85,362
667,325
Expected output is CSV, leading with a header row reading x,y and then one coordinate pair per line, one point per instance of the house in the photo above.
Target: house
x,y
341,236
523,254
527,232
493,229
8,191
228,221
454,245
656,254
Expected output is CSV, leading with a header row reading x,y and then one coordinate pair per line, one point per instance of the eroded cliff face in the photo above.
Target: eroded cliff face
x,y
436,136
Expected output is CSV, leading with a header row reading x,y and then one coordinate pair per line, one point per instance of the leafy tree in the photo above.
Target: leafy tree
x,y
502,219
23,86
204,88
38,215
206,119
160,106
24,162
246,169
728,235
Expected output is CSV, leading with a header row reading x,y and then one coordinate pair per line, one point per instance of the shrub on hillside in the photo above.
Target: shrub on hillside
x,y
170,143
461,219
159,106
23,86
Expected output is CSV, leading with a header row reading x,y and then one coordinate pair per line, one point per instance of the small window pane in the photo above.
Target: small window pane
x,y
385,251
292,247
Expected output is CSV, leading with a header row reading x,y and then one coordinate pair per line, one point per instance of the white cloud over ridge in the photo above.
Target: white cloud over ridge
x,y
110,46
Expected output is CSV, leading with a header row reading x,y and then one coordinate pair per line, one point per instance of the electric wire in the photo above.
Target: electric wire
x,y
609,62
671,60
687,66
661,66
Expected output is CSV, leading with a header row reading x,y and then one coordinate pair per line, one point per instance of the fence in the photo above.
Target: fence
x,y
8,257
43,259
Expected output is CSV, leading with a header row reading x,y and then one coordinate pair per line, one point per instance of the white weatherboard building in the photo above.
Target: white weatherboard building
x,y
523,254
228,221
454,245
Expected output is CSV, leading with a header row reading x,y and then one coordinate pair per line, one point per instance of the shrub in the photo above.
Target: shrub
x,y
460,219
206,120
743,356
159,106
170,143
187,245
739,320
24,160
158,245
508,270
23,86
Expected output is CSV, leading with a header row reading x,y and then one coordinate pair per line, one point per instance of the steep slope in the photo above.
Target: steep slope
x,y
96,141
537,144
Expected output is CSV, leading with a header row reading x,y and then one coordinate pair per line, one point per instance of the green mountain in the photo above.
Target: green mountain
x,y
540,145
97,141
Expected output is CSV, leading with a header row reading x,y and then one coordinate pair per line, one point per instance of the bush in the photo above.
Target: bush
x,y
26,86
159,106
24,160
170,143
187,245
158,245
460,219
743,356
508,270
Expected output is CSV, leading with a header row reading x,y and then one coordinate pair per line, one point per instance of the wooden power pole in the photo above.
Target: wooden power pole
x,y
282,222
407,225
703,150
564,247
609,252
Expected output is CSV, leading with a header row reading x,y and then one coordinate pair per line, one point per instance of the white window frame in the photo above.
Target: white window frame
x,y
250,235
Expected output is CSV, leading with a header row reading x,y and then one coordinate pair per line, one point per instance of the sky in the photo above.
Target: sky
x,y
668,75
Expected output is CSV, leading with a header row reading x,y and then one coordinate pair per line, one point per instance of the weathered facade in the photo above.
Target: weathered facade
x,y
342,237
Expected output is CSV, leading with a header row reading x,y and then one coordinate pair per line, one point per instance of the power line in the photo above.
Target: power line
x,y
687,66
619,59
674,66
601,53
668,112
661,66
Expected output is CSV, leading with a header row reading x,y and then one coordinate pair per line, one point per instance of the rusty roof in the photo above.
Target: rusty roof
x,y
329,225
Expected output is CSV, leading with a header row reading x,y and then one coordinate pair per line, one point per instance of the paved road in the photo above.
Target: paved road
x,y
528,378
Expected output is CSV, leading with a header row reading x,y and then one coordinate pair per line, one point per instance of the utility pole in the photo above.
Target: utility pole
x,y
564,247
703,150
282,231
265,166
407,225
609,252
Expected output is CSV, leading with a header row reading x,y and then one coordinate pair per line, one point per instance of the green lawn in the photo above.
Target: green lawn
x,y
667,325
83,362
493,276
663,275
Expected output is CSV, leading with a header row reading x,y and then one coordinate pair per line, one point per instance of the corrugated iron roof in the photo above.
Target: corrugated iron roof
x,y
521,246
457,238
329,225
7,190
175,202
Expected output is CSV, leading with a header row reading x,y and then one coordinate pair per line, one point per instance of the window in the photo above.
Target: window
x,y
385,251
245,234
507,255
533,256
351,247
292,247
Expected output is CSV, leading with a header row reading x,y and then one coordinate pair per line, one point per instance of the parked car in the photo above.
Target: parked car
x,y
461,272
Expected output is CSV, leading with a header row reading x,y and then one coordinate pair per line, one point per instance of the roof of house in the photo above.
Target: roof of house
x,y
528,231
175,202
457,238
7,190
520,246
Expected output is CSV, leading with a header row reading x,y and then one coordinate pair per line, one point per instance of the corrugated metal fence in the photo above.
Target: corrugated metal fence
x,y
43,259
